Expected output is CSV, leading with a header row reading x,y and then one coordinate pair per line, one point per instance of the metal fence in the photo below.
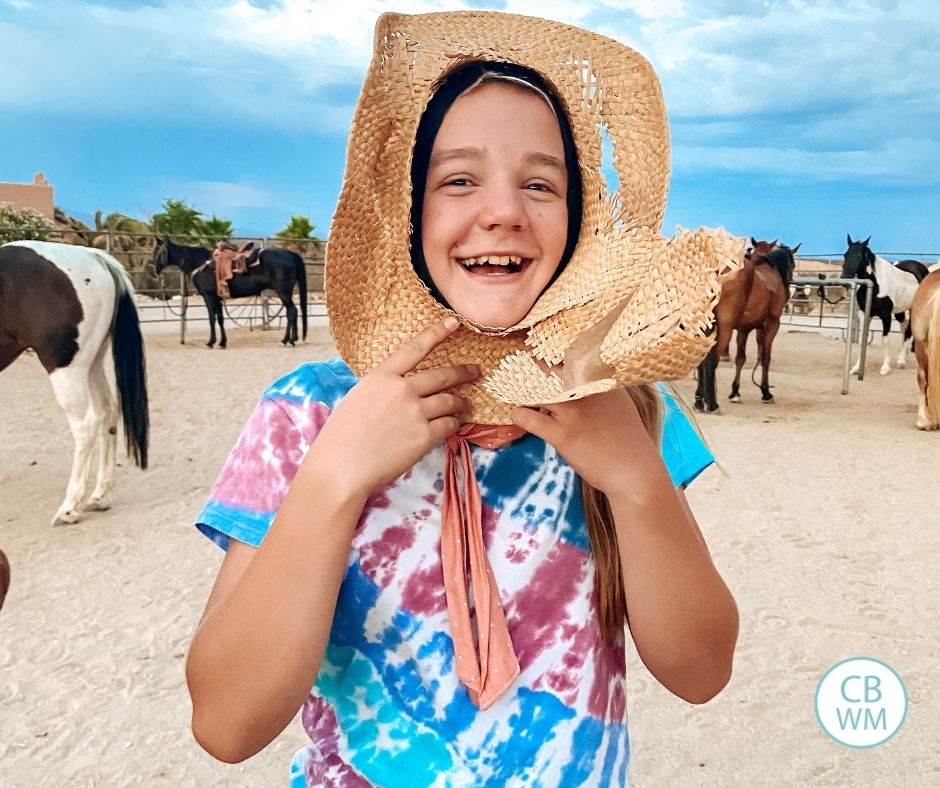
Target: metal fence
x,y
167,297
816,301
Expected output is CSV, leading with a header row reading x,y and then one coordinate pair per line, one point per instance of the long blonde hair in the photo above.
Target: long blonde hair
x,y
611,601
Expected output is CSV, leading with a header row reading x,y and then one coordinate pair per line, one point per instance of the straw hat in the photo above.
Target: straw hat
x,y
630,307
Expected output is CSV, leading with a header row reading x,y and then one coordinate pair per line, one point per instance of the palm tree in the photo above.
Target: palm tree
x,y
299,227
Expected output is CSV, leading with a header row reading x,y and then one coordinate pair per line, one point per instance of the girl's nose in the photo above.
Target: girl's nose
x,y
503,207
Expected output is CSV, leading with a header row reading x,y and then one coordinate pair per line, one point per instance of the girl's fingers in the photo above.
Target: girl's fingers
x,y
444,404
444,427
409,355
532,420
432,381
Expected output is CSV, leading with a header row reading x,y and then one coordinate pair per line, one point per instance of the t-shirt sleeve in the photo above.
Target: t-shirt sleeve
x,y
683,451
260,468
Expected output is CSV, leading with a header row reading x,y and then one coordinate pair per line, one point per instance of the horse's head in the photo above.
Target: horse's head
x,y
856,259
161,256
760,249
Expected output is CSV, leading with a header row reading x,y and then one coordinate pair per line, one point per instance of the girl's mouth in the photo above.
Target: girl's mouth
x,y
494,265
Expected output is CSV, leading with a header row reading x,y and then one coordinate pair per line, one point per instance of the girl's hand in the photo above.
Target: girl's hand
x,y
602,437
390,419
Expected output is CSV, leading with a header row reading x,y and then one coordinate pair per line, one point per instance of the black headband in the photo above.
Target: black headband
x,y
459,80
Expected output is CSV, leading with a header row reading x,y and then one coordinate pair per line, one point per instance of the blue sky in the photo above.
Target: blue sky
x,y
794,119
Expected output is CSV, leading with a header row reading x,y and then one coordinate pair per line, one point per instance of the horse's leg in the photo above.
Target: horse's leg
x,y
923,418
290,334
699,402
106,399
766,343
904,322
220,316
710,366
211,307
739,359
886,350
72,391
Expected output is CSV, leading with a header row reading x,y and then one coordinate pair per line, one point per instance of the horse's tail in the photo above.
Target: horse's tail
x,y
130,369
302,286
933,362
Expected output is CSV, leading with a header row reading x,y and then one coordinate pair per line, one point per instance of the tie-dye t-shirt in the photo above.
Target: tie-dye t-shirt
x,y
387,708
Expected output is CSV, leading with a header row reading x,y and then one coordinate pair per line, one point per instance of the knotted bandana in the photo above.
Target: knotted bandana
x,y
488,666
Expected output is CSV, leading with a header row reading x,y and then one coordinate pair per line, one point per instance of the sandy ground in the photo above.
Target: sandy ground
x,y
824,522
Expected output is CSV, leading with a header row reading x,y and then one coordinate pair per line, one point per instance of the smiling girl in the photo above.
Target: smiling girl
x,y
446,613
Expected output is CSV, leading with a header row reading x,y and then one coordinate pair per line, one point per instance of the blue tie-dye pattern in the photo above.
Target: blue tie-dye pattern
x,y
533,728
329,381
583,751
228,522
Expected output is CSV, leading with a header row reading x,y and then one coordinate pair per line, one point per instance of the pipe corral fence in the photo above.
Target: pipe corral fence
x,y
169,297
820,299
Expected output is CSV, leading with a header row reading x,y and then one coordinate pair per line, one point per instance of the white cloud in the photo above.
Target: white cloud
x,y
849,75
222,196
912,162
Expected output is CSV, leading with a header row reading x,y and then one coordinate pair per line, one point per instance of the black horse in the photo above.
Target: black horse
x,y
893,288
276,269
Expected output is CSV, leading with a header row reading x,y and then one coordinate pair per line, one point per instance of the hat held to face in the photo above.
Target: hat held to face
x,y
629,307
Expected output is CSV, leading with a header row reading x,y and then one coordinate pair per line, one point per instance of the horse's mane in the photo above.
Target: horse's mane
x,y
777,256
781,258
193,253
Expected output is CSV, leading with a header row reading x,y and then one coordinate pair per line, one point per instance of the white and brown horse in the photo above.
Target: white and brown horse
x,y
893,287
925,327
70,304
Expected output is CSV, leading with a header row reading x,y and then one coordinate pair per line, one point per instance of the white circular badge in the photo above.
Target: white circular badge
x,y
861,702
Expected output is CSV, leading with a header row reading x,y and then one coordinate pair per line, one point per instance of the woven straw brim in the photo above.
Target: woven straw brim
x,y
653,298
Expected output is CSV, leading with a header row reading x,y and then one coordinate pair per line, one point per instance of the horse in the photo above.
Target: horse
x,y
4,577
752,297
68,304
925,328
893,288
276,269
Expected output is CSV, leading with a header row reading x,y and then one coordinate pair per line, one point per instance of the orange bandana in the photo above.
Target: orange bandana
x,y
489,667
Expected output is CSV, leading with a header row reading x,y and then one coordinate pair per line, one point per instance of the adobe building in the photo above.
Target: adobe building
x,y
36,195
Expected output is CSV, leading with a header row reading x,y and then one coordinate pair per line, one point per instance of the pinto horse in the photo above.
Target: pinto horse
x,y
925,327
277,269
893,288
69,304
752,297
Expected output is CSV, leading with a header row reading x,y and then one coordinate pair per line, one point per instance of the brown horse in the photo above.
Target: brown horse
x,y
4,577
925,326
753,297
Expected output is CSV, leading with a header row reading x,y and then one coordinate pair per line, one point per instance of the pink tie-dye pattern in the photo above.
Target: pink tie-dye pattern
x,y
268,452
325,766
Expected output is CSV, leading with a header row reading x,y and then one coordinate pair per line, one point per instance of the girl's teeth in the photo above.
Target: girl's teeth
x,y
492,260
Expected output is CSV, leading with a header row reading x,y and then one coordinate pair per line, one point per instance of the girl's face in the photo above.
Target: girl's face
x,y
494,219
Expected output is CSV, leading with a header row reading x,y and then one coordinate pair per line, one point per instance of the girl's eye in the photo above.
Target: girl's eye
x,y
458,182
539,186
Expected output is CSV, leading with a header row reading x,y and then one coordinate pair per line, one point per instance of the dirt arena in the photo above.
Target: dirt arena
x,y
824,521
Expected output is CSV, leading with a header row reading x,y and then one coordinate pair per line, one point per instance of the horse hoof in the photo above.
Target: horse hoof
x,y
101,504
210,345
927,426
66,518
768,401
885,371
735,398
